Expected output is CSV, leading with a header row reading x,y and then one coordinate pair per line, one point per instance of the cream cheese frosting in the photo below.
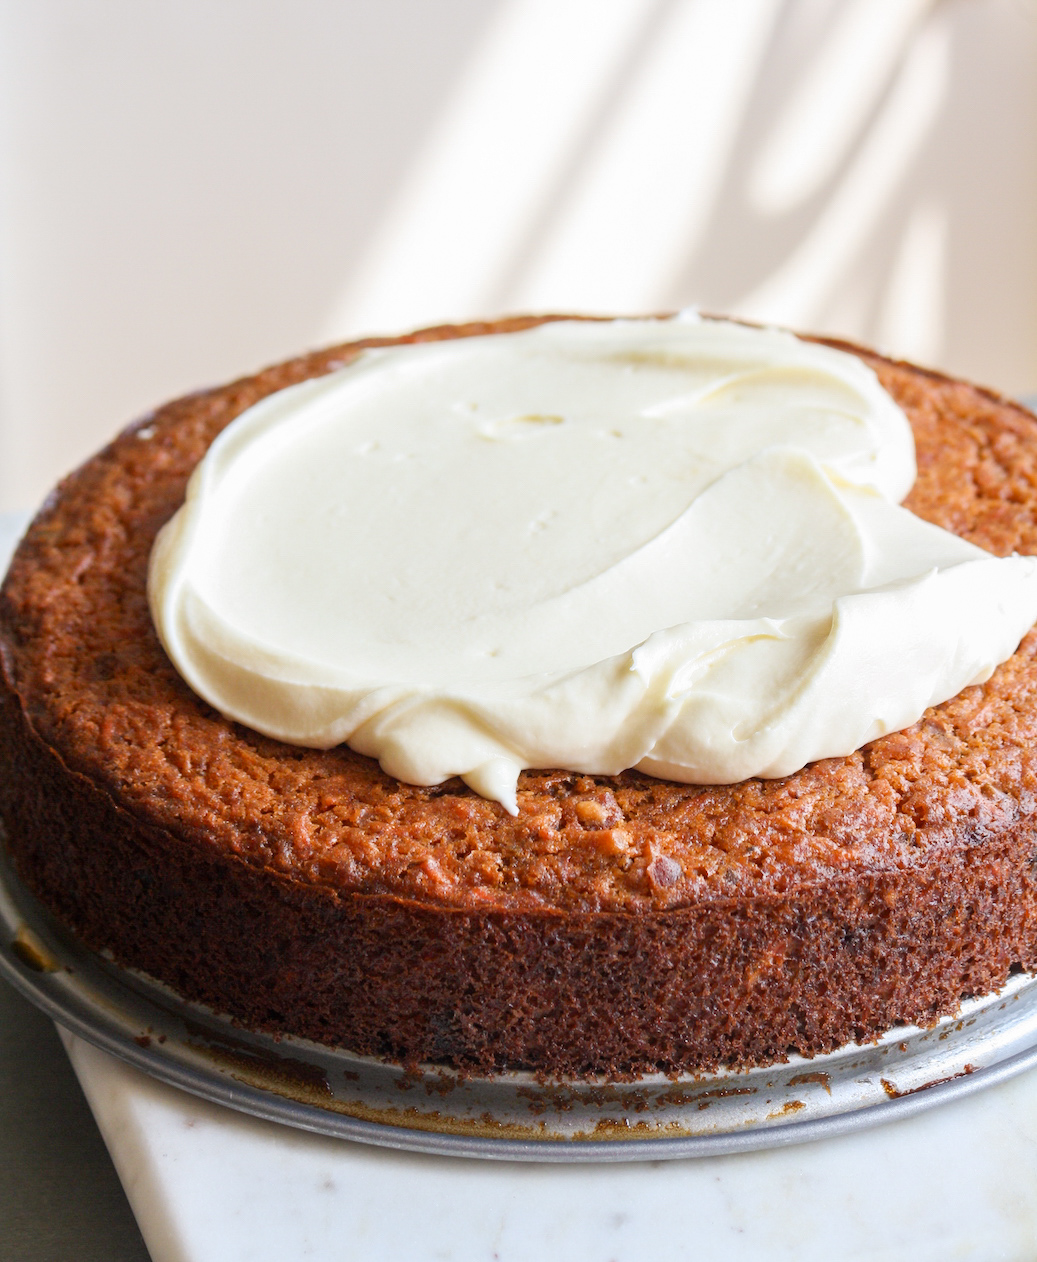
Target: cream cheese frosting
x,y
675,545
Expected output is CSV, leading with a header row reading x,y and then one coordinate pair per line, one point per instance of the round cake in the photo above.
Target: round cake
x,y
616,924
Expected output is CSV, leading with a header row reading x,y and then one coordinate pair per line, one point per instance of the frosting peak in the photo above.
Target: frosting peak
x,y
675,545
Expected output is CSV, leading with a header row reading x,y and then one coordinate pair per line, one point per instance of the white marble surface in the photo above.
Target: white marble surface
x,y
209,1185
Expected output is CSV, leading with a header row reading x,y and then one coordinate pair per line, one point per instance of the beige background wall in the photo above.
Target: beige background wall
x,y
190,190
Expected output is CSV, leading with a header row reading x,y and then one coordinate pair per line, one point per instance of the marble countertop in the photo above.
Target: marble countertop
x,y
209,1185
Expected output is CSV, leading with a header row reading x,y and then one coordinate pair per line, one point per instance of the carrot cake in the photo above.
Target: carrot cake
x,y
616,911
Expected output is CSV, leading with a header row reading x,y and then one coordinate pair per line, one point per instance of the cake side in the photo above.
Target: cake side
x,y
731,980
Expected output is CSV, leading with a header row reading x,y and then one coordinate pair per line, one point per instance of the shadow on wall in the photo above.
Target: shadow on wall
x,y
863,167
201,195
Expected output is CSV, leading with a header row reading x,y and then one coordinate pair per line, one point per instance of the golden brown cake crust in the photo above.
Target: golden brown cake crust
x,y
616,924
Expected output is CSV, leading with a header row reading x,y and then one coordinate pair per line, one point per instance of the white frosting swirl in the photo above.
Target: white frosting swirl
x,y
667,544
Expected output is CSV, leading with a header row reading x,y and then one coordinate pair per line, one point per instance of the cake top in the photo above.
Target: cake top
x,y
79,647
